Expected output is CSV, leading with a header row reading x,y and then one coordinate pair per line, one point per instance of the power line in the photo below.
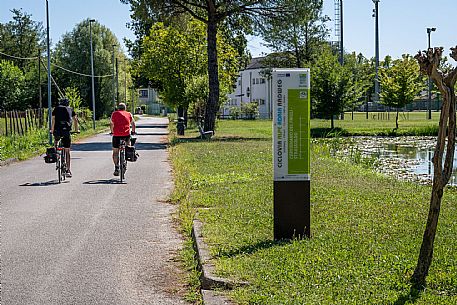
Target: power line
x,y
60,67
22,58
81,74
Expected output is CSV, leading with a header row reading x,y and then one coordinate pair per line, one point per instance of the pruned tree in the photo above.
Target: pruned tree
x,y
429,62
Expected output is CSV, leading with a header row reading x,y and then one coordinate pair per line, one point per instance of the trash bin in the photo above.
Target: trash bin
x,y
180,126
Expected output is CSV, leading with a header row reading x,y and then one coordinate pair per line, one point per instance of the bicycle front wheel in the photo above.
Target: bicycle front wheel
x,y
122,165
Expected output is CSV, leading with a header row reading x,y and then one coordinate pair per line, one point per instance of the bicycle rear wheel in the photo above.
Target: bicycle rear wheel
x,y
121,165
59,167
64,164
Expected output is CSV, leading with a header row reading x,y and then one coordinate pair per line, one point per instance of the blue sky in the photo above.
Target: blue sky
x,y
402,23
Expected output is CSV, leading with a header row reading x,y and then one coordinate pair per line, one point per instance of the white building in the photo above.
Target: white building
x,y
251,86
148,97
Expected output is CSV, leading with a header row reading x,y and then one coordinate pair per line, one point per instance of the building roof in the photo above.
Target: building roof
x,y
256,63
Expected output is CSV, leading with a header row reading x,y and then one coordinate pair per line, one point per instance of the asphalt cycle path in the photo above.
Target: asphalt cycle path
x,y
91,240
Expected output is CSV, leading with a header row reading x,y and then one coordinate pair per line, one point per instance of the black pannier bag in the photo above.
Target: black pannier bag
x,y
131,154
51,155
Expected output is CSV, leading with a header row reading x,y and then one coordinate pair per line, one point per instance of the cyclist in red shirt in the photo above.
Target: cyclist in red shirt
x,y
121,120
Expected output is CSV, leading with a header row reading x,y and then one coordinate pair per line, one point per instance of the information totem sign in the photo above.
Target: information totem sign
x,y
291,152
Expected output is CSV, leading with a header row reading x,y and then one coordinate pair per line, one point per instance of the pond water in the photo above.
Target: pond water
x,y
407,158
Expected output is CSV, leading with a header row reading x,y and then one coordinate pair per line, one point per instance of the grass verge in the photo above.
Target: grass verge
x,y
367,228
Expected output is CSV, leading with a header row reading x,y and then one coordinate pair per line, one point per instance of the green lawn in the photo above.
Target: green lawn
x,y
380,123
366,228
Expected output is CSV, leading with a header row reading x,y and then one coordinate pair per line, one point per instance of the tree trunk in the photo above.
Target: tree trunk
x,y
396,121
332,123
442,174
212,104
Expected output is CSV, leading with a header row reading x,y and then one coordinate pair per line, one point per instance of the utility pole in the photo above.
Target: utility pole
x,y
114,80
125,83
40,98
376,80
92,72
117,80
341,34
49,73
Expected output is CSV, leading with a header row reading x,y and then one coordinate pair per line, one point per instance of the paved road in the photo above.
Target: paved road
x,y
91,240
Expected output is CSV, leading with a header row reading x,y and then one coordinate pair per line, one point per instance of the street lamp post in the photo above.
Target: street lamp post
x,y
376,79
92,72
49,73
429,30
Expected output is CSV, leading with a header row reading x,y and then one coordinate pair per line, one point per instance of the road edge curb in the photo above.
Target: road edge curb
x,y
209,282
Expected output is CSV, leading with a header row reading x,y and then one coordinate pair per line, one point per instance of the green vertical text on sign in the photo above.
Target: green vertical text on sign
x,y
298,129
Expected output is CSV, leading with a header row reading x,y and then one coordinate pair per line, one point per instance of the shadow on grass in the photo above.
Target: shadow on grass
x,y
328,132
250,249
412,296
178,140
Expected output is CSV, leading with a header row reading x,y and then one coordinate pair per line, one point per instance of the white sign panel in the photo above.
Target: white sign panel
x,y
291,124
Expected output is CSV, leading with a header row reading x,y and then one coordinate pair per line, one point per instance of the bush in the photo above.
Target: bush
x,y
250,110
11,86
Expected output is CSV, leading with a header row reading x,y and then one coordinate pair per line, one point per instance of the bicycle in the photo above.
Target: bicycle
x,y
122,158
61,159
61,163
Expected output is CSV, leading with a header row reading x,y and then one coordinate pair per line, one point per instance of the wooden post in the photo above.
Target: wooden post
x,y
19,121
26,121
6,123
12,123
35,112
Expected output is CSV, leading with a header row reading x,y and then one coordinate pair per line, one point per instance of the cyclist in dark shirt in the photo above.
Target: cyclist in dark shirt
x,y
62,119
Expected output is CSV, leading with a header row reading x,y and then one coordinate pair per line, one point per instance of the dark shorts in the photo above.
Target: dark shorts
x,y
117,140
65,136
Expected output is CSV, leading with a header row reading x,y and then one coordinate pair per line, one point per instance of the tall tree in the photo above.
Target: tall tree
x,y
429,62
23,38
175,57
361,76
212,13
72,53
400,83
300,31
334,87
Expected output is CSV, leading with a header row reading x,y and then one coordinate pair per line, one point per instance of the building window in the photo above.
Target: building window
x,y
262,80
261,102
144,93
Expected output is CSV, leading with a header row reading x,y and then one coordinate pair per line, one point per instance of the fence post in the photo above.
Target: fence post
x,y
6,123
12,125
19,118
34,117
26,122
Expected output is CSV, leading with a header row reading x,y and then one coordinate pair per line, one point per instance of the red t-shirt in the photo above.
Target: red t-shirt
x,y
121,120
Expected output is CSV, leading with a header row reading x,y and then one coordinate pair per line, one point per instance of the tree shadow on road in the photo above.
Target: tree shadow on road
x,y
106,146
152,126
46,183
105,181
